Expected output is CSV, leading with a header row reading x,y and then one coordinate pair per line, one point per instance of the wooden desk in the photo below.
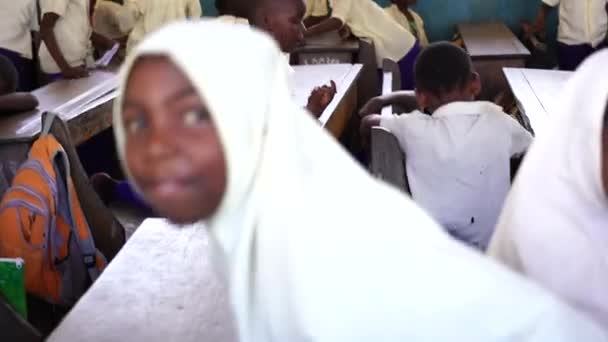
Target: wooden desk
x,y
328,48
85,104
537,93
492,46
335,117
162,286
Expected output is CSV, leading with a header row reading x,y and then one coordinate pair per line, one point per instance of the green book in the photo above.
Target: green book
x,y
12,284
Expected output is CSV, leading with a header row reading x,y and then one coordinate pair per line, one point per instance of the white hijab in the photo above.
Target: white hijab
x,y
317,250
554,227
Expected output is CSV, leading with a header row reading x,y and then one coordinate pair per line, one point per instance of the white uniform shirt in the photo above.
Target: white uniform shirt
x,y
401,19
17,20
368,20
581,21
106,19
316,8
72,31
148,16
458,163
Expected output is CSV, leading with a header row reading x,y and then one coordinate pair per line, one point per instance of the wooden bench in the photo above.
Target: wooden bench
x,y
339,111
537,93
162,286
492,46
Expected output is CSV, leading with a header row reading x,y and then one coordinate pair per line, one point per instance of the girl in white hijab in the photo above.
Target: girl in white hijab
x,y
554,227
314,248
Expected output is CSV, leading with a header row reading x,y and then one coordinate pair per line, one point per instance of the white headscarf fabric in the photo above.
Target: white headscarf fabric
x,y
554,227
317,250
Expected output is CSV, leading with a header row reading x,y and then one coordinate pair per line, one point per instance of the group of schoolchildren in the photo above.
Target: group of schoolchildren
x,y
313,247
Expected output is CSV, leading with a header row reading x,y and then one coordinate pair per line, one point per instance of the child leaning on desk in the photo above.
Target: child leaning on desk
x,y
458,150
12,101
68,38
404,15
366,19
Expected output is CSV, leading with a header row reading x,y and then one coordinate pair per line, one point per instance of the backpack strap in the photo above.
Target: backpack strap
x,y
65,206
47,122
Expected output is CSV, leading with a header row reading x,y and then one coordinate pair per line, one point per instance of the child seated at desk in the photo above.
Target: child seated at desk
x,y
145,16
406,17
553,226
458,157
366,19
68,39
283,20
582,30
18,19
12,101
313,247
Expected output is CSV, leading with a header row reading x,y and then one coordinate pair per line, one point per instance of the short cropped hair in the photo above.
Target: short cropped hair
x,y
441,68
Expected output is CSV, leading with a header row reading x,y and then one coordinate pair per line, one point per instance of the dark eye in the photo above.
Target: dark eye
x,y
134,125
193,118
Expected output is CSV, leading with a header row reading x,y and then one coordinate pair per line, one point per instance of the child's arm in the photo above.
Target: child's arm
x,y
326,25
312,21
541,17
365,129
101,43
405,99
47,33
17,102
194,9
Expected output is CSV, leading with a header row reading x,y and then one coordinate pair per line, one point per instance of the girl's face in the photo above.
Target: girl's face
x,y
173,150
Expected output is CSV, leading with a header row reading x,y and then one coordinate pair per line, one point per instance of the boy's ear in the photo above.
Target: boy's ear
x,y
475,85
422,98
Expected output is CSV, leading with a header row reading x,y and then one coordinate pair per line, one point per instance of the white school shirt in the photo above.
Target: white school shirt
x,y
17,20
72,31
368,20
581,21
316,8
147,16
106,19
458,163
401,19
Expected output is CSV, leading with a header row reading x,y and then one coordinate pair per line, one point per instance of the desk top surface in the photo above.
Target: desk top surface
x,y
69,98
306,77
491,40
162,286
537,92
329,41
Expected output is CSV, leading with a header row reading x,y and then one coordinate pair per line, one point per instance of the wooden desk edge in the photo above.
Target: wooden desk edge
x,y
350,79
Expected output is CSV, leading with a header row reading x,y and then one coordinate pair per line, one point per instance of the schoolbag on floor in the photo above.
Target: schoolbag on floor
x,y
42,222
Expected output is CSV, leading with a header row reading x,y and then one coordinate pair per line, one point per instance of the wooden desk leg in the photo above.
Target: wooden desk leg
x,y
343,112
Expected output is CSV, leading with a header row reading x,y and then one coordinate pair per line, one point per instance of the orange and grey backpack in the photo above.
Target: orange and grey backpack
x,y
42,222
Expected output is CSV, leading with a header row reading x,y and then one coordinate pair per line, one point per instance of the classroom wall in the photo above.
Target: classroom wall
x,y
442,15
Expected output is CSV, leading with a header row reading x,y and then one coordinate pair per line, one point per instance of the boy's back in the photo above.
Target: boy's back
x,y
458,163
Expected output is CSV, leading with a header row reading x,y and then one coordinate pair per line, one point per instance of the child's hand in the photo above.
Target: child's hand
x,y
320,98
344,32
74,72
